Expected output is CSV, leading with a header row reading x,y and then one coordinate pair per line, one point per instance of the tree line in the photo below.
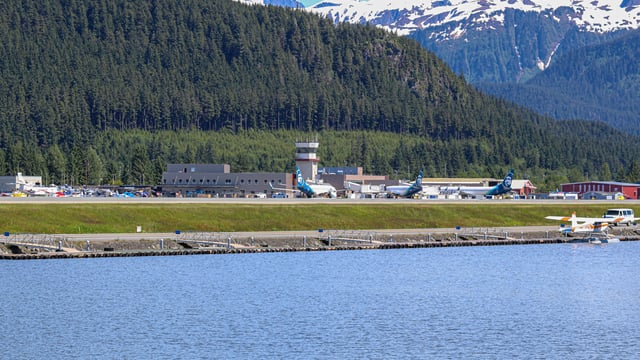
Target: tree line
x,y
140,157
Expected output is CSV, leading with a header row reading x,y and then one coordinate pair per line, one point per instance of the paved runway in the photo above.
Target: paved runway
x,y
168,200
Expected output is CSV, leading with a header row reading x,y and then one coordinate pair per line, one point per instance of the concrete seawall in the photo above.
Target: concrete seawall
x,y
337,245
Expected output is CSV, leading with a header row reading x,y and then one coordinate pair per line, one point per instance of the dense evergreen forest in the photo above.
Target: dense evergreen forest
x,y
594,82
111,91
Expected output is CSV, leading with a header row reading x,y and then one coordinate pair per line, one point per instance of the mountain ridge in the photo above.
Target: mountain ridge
x,y
525,35
411,15
500,46
604,75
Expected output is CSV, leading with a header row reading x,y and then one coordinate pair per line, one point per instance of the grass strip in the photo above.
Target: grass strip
x,y
229,217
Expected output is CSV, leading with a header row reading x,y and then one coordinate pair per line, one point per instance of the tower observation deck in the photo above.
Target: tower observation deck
x,y
307,159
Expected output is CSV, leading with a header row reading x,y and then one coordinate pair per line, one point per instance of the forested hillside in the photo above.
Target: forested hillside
x,y
596,82
109,90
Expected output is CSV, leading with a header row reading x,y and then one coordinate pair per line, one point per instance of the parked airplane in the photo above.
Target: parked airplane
x,y
406,190
595,230
585,224
502,188
311,190
35,190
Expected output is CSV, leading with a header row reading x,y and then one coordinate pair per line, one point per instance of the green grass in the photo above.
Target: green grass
x,y
229,217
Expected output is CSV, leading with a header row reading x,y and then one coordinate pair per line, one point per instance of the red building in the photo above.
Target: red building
x,y
522,187
630,191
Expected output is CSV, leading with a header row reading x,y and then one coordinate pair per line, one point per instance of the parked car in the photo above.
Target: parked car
x,y
627,216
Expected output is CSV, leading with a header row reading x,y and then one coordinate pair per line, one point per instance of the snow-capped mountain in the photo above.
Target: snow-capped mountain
x,y
407,16
463,32
498,43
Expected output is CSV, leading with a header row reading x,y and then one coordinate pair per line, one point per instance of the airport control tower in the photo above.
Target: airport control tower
x,y
307,160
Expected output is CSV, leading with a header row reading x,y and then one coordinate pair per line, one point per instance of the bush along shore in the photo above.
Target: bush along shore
x,y
49,247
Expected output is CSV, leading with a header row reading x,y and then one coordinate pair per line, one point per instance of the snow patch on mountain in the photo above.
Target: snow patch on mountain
x,y
406,16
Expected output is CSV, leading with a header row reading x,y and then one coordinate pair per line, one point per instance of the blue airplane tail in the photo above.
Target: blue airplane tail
x,y
299,178
302,184
503,187
506,182
418,183
416,186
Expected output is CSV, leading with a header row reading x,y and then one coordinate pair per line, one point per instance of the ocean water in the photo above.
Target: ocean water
x,y
575,301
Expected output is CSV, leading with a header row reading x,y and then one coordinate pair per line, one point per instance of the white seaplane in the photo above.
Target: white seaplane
x,y
596,230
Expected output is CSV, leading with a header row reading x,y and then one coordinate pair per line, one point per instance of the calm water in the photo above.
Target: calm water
x,y
535,301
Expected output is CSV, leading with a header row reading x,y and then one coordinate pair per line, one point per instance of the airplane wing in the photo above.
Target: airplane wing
x,y
584,219
613,220
561,218
282,189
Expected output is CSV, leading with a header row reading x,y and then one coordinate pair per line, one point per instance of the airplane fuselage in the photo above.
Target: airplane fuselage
x,y
407,190
403,190
500,189
313,190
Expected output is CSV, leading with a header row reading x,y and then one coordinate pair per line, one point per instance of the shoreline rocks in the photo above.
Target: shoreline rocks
x,y
255,244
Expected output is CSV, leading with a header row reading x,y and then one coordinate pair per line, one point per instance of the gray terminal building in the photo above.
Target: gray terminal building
x,y
217,180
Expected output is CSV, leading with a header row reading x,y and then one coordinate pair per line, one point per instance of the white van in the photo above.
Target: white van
x,y
626,214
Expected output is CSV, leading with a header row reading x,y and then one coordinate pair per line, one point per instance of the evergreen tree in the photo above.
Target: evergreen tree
x,y
77,166
633,175
605,172
3,163
621,175
95,168
140,166
56,165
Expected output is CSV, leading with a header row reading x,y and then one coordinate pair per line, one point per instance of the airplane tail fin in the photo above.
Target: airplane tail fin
x,y
20,179
299,178
503,187
506,182
574,221
418,182
302,185
416,187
